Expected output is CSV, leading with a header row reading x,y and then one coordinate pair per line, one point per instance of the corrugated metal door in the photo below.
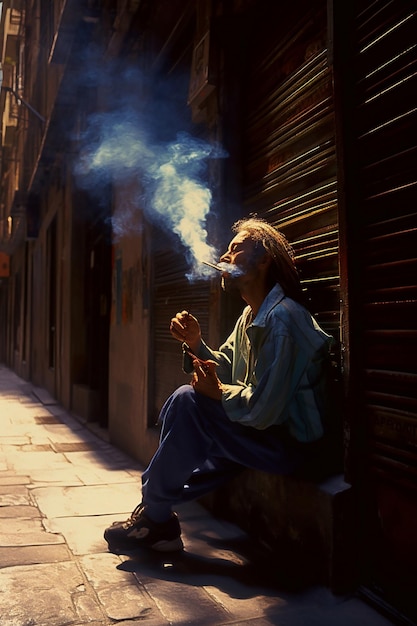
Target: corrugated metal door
x,y
290,164
173,293
381,156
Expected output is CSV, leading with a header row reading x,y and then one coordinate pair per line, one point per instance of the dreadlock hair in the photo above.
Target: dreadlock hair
x,y
268,239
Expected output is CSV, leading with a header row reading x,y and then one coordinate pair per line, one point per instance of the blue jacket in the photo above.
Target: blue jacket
x,y
272,368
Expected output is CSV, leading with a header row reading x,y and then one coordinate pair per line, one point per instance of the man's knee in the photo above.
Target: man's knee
x,y
186,406
178,406
185,392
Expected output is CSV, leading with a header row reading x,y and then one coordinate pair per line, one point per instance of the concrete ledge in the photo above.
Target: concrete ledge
x,y
306,527
43,396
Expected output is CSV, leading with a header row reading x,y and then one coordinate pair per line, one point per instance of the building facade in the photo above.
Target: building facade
x,y
118,113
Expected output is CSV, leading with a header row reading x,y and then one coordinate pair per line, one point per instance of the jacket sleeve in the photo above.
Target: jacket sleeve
x,y
265,400
223,357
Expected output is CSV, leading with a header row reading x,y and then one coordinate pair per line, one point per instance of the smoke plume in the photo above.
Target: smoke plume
x,y
167,164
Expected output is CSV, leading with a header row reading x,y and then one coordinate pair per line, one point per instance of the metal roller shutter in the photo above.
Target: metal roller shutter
x,y
290,163
172,293
382,215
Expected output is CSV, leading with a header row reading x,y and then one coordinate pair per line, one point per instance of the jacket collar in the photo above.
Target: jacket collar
x,y
272,299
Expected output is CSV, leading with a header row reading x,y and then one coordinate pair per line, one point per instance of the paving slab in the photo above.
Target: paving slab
x,y
66,476
97,458
31,595
125,600
28,538
61,433
15,497
14,479
84,535
14,440
19,525
101,475
73,475
23,461
19,511
85,500
31,555
184,603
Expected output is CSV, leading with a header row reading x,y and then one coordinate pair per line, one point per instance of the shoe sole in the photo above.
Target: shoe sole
x,y
168,546
175,545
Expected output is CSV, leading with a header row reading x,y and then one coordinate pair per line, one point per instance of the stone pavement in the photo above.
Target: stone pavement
x,y
61,484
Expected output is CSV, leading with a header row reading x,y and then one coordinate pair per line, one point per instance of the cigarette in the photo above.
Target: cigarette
x,y
213,265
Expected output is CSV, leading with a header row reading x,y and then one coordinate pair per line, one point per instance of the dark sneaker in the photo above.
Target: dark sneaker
x,y
139,531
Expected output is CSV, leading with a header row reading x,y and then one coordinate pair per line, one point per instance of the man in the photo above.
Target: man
x,y
257,402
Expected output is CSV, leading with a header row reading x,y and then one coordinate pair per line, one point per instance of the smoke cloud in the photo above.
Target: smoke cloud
x,y
167,165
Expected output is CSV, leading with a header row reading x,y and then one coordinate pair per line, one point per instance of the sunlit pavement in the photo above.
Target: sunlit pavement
x,y
62,483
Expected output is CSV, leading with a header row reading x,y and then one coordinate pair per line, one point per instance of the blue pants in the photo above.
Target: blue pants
x,y
200,448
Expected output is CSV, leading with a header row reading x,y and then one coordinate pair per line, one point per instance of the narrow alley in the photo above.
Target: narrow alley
x,y
61,484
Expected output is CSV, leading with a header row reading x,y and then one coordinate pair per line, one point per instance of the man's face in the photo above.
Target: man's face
x,y
241,256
